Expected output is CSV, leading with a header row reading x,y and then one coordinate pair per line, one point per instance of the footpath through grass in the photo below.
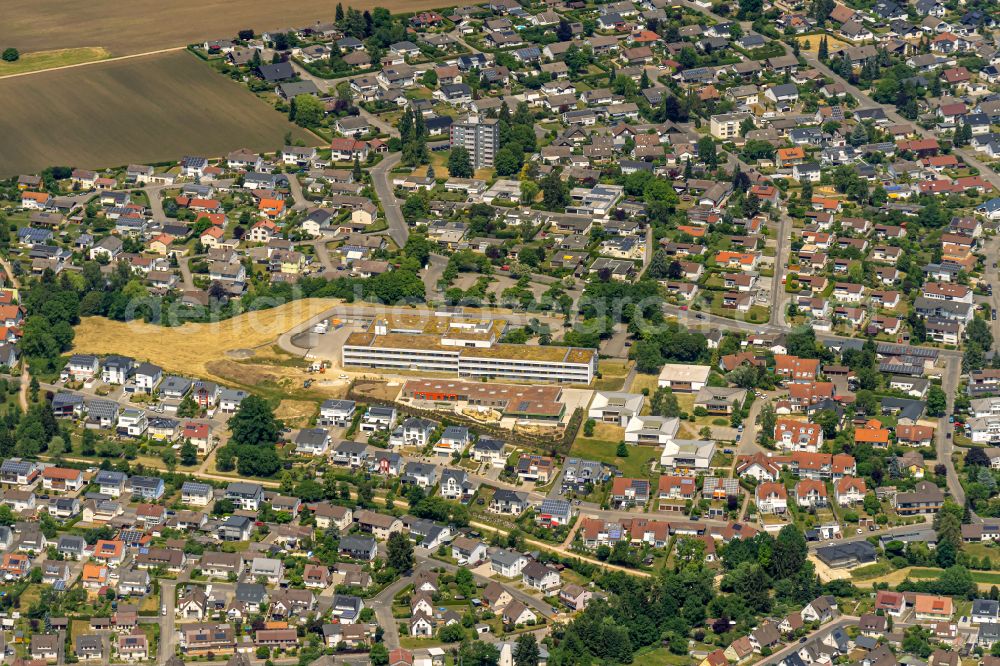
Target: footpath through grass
x,y
42,60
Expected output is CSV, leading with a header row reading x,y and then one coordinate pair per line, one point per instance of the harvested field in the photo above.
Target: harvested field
x,y
146,25
190,349
144,110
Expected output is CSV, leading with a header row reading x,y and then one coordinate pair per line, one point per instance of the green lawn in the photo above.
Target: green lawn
x,y
720,459
613,372
30,596
662,657
152,632
635,465
644,381
986,577
871,571
981,550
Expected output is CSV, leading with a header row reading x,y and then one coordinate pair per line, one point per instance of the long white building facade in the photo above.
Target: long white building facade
x,y
465,347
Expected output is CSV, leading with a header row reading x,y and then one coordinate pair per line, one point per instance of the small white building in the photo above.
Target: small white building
x,y
615,407
684,378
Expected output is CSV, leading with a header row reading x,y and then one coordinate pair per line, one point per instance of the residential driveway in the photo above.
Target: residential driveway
x,y
322,253
295,187
433,272
383,126
187,279
153,193
615,345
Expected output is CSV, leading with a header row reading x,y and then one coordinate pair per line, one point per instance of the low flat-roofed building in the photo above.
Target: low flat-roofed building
x,y
686,455
846,555
682,377
615,406
522,402
465,347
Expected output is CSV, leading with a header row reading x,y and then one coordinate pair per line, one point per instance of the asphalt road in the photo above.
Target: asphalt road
x,y
322,253
850,538
381,603
382,181
841,623
432,274
778,296
992,251
168,635
295,187
187,278
946,430
25,369
155,203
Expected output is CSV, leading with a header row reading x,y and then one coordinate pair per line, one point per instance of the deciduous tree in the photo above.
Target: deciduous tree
x,y
400,552
459,163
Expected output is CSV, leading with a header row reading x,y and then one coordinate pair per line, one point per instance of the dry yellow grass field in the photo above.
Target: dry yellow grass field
x,y
295,413
814,40
253,372
608,432
192,349
140,26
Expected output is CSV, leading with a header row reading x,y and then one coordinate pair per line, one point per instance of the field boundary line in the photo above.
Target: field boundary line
x,y
95,62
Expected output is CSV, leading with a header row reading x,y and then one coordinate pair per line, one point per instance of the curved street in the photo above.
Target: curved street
x,y
381,181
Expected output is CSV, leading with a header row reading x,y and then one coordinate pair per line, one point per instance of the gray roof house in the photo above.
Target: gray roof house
x,y
146,487
246,496
420,474
71,546
359,547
